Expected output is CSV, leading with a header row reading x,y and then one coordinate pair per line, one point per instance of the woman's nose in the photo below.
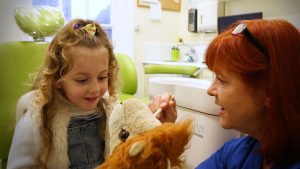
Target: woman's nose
x,y
212,90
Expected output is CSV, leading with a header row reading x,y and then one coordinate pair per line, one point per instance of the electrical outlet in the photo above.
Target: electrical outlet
x,y
198,130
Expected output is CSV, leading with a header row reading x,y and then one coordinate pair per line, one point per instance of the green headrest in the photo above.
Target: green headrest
x,y
170,69
128,73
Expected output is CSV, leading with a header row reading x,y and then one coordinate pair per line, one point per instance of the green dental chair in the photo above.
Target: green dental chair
x,y
18,60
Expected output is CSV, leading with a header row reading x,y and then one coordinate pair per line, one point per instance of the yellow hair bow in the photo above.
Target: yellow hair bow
x,y
90,29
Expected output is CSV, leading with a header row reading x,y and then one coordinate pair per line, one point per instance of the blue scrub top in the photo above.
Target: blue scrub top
x,y
241,153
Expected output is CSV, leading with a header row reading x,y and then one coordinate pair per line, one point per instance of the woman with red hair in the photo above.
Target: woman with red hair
x,y
257,86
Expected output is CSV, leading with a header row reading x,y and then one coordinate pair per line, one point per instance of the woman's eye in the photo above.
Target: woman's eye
x,y
220,79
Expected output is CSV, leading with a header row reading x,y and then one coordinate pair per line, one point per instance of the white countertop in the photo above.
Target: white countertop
x,y
198,64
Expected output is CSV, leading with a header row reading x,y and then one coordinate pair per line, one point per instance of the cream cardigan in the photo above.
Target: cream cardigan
x,y
27,142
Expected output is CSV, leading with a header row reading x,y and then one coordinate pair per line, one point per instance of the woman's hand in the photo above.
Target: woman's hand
x,y
168,106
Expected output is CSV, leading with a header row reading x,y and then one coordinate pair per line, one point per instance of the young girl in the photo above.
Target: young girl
x,y
257,86
61,123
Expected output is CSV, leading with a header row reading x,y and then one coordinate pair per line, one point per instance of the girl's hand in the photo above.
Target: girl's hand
x,y
168,106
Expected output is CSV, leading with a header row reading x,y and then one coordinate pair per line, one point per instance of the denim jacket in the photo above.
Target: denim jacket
x,y
84,149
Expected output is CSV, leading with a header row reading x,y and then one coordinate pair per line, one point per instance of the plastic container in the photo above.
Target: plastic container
x,y
175,55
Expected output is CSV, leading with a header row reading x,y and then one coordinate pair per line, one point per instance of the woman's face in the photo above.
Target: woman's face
x,y
242,107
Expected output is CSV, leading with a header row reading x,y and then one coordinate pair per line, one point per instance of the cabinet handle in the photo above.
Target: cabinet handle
x,y
201,19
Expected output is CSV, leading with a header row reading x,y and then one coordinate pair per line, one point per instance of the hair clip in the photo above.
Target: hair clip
x,y
76,26
90,28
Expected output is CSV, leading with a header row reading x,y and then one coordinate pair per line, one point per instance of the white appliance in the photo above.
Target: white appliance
x,y
208,136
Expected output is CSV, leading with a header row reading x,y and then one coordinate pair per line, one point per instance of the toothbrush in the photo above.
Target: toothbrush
x,y
159,110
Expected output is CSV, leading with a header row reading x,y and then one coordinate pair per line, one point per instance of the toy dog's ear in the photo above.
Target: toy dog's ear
x,y
136,148
116,124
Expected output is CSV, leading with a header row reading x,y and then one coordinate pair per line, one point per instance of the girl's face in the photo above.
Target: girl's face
x,y
242,107
87,81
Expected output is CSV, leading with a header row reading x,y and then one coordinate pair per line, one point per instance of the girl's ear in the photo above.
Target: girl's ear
x,y
58,84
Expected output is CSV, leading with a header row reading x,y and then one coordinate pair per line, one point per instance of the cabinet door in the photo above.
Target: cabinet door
x,y
210,13
207,15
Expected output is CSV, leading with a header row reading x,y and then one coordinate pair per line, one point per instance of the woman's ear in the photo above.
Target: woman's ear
x,y
267,102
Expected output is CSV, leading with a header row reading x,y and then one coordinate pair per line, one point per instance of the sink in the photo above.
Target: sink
x,y
159,85
189,92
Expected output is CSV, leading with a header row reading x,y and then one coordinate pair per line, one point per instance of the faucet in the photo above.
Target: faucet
x,y
191,55
197,72
204,73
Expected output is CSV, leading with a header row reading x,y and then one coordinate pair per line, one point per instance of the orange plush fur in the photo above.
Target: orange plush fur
x,y
167,141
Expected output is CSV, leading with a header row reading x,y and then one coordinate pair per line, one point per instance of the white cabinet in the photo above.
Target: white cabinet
x,y
208,12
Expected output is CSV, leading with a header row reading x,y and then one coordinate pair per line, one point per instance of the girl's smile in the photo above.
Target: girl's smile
x,y
92,99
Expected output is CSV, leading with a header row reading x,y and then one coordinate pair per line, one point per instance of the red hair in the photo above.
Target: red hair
x,y
277,73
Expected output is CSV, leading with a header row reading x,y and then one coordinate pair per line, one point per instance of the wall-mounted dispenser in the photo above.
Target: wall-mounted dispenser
x,y
203,15
192,26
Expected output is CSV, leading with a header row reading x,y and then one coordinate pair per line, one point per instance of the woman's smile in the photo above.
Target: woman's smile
x,y
221,111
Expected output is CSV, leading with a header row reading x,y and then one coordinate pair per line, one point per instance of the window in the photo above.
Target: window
x,y
119,13
98,10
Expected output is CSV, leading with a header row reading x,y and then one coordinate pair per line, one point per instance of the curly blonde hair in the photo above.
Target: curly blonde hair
x,y
57,64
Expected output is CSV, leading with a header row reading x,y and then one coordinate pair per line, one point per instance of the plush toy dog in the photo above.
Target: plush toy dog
x,y
139,141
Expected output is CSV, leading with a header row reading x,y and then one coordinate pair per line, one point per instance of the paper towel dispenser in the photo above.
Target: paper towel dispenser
x,y
192,25
203,15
